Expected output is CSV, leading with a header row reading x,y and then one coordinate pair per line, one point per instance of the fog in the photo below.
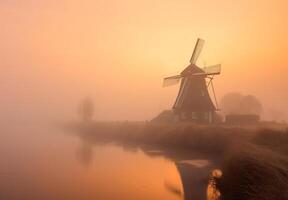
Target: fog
x,y
55,53
65,61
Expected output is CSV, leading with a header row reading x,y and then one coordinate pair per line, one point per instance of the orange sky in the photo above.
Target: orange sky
x,y
53,53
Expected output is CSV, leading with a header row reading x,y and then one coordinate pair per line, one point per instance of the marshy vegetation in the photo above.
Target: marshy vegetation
x,y
258,170
254,159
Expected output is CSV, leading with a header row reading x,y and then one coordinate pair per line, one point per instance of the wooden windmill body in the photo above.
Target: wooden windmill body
x,y
193,101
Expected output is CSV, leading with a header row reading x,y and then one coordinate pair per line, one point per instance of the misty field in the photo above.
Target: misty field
x,y
254,159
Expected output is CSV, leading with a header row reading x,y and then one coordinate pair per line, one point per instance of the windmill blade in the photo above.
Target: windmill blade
x,y
197,50
210,70
172,80
213,69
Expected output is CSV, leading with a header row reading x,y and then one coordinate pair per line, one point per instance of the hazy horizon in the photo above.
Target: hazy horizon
x,y
55,53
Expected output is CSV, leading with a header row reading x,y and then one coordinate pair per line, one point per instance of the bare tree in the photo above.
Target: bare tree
x,y
86,109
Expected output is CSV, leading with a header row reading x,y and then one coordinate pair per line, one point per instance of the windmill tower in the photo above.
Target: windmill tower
x,y
193,102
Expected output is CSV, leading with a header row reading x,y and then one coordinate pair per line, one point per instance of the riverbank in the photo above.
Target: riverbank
x,y
258,170
253,159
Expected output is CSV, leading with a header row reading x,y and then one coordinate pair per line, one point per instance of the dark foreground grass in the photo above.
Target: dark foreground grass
x,y
254,174
257,170
275,140
254,160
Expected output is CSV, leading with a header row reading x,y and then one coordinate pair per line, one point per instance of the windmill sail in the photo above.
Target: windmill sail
x,y
210,70
172,80
214,69
197,50
193,101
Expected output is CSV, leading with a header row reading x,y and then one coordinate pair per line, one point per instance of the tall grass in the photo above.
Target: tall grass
x,y
257,170
211,139
254,159
254,173
275,140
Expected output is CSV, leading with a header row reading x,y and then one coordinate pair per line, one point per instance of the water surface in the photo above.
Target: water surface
x,y
40,162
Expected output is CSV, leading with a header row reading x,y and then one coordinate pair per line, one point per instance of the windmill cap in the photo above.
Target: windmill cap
x,y
191,69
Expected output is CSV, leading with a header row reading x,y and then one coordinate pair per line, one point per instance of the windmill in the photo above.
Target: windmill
x,y
193,101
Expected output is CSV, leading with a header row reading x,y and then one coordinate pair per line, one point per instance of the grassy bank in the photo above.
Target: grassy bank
x,y
257,170
254,159
210,139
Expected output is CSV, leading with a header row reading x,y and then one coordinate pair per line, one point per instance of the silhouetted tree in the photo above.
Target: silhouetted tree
x,y
230,103
86,109
251,105
236,103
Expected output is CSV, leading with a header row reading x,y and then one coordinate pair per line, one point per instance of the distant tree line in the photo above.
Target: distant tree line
x,y
236,103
